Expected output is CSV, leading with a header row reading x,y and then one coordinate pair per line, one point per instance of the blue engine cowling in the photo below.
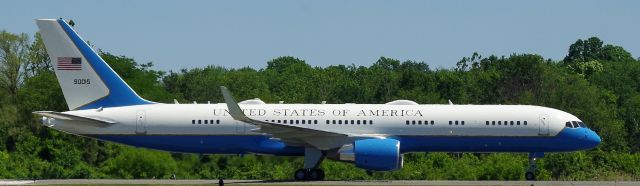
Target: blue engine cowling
x,y
378,154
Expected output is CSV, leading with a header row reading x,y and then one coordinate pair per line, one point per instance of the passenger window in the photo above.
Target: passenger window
x,y
333,121
285,121
431,122
303,122
407,122
413,122
450,122
370,122
291,121
493,122
487,122
499,122
525,122
352,122
511,123
327,121
358,122
340,122
217,121
199,121
462,122
297,122
193,121
456,122
518,122
365,122
206,121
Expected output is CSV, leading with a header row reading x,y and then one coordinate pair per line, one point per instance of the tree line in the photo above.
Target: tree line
x,y
599,83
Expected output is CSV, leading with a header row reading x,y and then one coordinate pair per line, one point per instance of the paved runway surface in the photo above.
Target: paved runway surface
x,y
260,182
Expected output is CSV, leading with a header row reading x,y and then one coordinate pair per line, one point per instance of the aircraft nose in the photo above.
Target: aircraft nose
x,y
592,139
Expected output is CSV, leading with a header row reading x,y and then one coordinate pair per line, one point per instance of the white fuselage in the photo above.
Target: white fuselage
x,y
366,119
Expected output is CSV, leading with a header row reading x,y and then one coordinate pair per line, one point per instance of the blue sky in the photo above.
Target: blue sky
x,y
187,34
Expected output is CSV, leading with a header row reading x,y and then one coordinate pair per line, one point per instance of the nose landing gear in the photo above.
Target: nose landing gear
x,y
533,167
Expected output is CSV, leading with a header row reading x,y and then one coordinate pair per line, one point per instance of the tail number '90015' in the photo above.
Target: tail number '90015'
x,y
81,81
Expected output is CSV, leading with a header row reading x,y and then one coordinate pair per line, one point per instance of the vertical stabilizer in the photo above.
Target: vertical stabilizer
x,y
86,80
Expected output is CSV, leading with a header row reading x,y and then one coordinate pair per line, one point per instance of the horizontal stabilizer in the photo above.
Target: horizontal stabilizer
x,y
69,117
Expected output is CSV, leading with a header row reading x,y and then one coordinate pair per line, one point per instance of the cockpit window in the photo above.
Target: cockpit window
x,y
582,125
575,124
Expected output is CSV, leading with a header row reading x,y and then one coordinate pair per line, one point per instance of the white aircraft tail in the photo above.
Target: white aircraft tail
x,y
86,80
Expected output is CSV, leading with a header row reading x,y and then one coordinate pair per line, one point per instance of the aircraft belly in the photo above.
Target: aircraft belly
x,y
206,144
483,144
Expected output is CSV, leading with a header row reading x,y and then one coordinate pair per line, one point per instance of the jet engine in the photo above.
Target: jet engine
x,y
371,154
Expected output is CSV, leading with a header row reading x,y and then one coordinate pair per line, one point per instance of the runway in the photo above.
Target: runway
x,y
261,182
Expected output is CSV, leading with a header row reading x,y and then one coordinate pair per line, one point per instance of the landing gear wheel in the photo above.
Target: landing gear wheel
x,y
316,174
301,174
530,176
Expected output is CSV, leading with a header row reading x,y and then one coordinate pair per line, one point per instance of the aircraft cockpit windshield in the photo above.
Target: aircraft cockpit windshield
x,y
575,124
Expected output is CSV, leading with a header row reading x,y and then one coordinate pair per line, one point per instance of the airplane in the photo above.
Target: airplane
x,y
374,137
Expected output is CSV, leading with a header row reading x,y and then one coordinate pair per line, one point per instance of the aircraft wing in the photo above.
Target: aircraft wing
x,y
69,117
292,135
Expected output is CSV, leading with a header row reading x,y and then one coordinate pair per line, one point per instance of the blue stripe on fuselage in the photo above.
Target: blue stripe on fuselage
x,y
567,140
120,94
207,144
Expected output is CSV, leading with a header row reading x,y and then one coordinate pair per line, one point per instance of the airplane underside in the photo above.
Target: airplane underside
x,y
263,144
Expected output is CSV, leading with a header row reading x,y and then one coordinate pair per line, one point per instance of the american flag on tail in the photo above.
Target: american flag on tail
x,y
69,63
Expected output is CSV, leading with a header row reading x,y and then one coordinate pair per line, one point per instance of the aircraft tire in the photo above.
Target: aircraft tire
x,y
301,175
316,174
530,176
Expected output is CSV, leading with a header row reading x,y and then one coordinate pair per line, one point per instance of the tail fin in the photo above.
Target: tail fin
x,y
87,81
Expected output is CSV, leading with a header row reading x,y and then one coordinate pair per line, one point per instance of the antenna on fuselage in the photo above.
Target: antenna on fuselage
x,y
175,101
450,103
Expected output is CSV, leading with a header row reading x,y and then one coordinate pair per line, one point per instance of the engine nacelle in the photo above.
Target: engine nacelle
x,y
372,154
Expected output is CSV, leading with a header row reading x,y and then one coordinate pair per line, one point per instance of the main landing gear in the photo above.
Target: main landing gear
x,y
309,174
531,171
310,171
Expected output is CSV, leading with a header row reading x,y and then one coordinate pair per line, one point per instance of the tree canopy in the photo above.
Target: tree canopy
x,y
598,82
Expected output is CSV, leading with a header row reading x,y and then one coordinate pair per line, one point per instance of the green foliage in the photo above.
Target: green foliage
x,y
597,82
140,163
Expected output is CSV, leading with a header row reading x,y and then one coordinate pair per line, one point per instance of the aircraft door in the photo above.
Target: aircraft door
x,y
543,127
141,122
